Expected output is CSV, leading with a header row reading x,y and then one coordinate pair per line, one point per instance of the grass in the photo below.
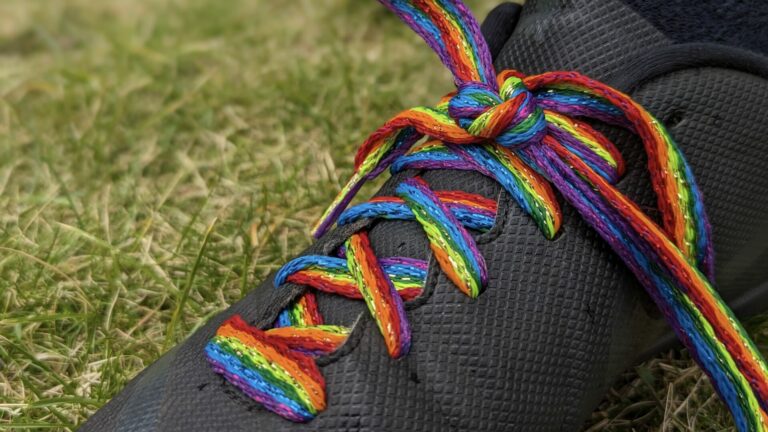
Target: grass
x,y
160,157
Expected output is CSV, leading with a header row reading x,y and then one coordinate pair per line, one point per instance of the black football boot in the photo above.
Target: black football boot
x,y
558,320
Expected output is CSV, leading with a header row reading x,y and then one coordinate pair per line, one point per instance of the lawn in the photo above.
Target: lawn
x,y
159,157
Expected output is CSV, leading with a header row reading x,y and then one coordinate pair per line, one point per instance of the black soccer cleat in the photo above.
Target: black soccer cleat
x,y
461,297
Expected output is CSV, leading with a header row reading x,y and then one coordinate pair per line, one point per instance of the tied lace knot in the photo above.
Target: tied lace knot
x,y
509,115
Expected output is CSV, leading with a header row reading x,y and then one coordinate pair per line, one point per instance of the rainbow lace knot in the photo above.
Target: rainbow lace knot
x,y
523,132
509,116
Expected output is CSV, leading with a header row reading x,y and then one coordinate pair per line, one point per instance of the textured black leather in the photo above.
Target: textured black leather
x,y
558,320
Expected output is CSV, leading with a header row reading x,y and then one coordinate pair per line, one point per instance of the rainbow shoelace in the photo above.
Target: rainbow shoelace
x,y
524,132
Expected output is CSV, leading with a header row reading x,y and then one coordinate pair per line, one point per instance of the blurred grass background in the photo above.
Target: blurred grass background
x,y
160,157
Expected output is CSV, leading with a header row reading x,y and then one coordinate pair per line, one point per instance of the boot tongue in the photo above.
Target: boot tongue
x,y
597,39
601,38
